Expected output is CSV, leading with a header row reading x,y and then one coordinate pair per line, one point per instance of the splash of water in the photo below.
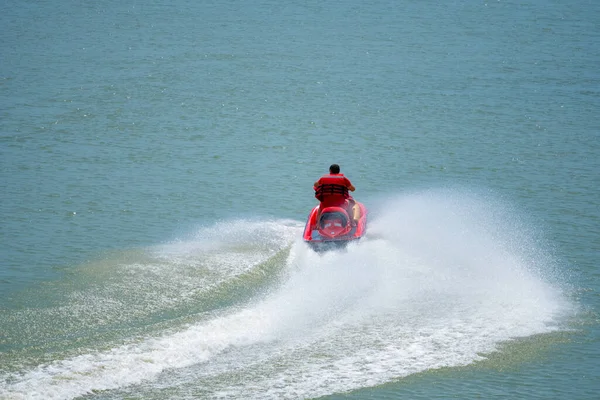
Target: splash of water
x,y
441,279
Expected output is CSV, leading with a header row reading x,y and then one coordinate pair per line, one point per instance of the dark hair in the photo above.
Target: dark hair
x,y
334,169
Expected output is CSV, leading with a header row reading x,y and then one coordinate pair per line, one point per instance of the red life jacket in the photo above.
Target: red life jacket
x,y
332,189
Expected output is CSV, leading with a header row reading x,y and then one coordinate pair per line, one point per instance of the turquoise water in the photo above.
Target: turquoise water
x,y
157,163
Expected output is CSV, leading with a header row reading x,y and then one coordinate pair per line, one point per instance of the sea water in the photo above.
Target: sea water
x,y
157,163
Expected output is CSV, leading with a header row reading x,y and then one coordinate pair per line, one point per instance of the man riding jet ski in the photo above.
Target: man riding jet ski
x,y
332,190
338,219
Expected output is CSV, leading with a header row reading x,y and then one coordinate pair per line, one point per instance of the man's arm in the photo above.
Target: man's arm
x,y
349,185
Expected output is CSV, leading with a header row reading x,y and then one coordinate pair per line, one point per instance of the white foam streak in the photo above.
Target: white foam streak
x,y
135,363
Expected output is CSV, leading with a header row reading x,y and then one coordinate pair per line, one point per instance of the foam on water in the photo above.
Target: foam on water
x,y
442,279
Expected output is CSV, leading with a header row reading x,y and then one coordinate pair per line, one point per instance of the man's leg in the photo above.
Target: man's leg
x,y
350,209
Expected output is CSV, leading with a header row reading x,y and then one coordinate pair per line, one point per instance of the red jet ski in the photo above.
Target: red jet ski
x,y
335,227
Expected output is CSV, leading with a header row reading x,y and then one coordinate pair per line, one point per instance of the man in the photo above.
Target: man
x,y
332,190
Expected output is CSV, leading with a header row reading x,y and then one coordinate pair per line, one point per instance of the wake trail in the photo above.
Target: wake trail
x,y
441,278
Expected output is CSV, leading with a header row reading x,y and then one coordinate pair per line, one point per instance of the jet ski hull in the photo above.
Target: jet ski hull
x,y
334,227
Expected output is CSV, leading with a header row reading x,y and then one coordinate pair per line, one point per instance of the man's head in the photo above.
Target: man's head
x,y
334,169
